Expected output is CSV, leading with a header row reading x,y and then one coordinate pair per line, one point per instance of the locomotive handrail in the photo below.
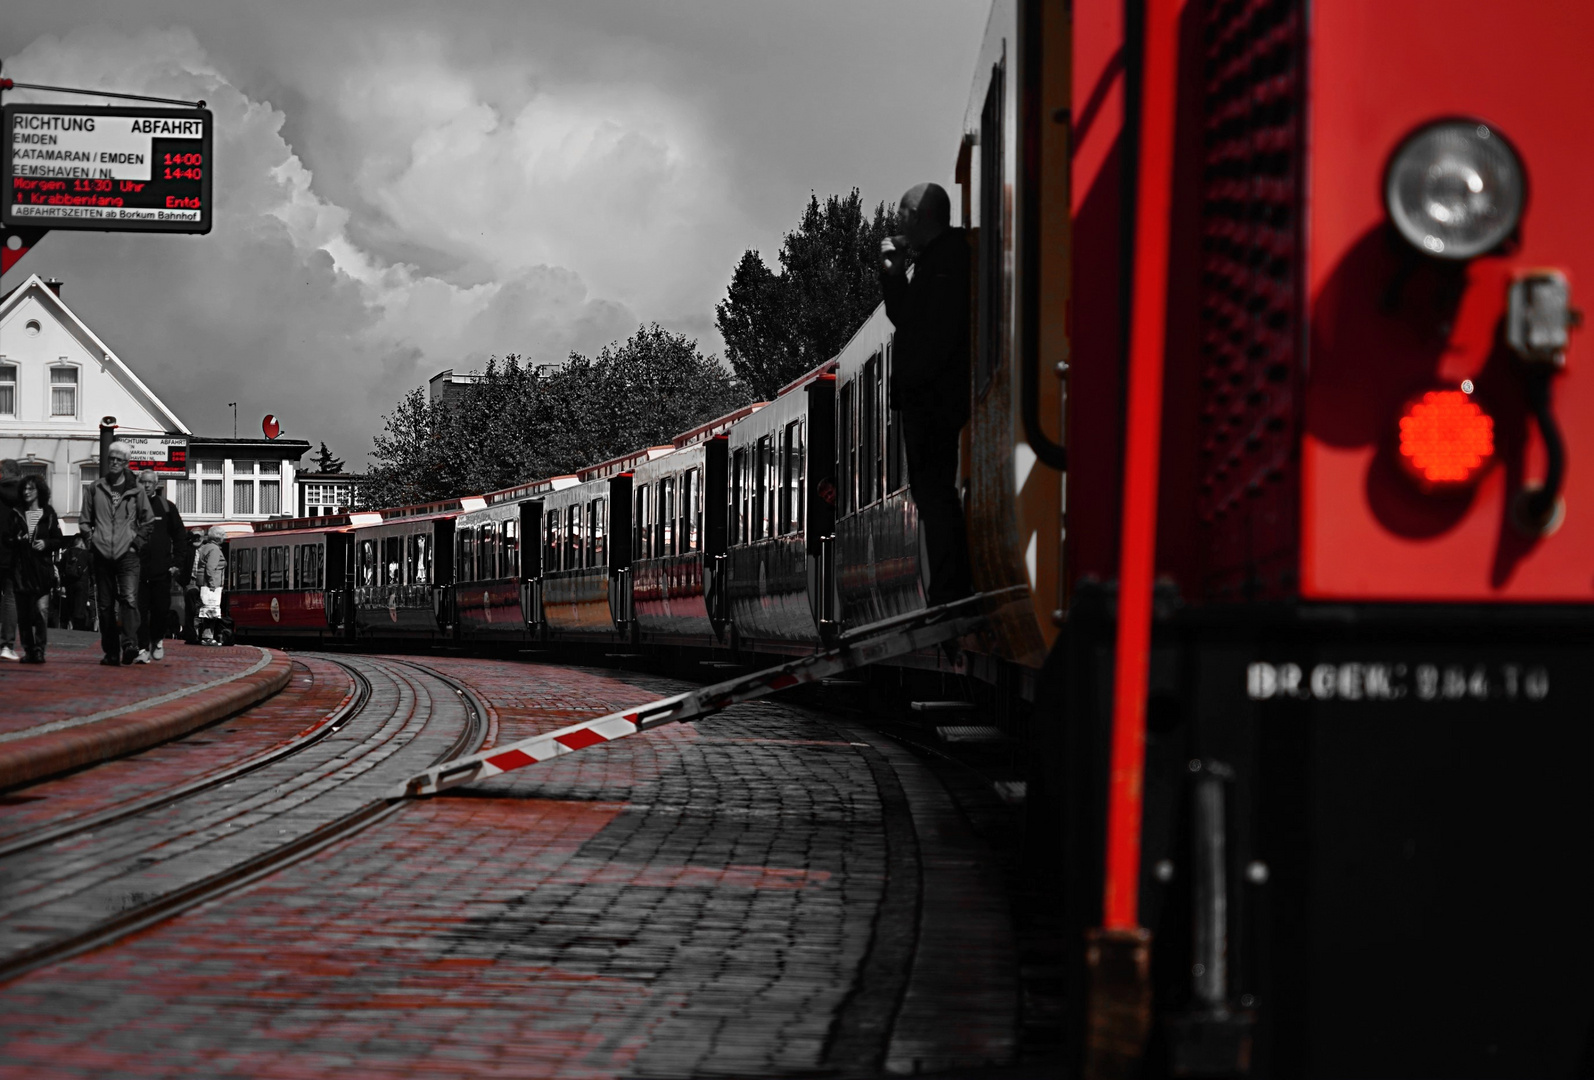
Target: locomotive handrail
x,y
867,645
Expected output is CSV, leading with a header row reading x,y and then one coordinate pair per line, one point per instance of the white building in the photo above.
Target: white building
x,y
58,379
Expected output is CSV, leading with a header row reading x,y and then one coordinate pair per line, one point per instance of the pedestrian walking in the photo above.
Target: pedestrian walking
x,y
930,373
167,550
35,532
118,520
10,493
210,572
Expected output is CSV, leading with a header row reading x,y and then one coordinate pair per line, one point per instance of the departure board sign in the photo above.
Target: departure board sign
x,y
163,454
109,168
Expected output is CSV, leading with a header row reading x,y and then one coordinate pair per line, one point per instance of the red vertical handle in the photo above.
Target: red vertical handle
x,y
1143,445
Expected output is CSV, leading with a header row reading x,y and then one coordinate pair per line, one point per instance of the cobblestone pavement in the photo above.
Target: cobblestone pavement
x,y
72,683
744,897
315,690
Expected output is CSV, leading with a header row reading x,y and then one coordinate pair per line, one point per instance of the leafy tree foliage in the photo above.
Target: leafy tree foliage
x,y
325,462
778,325
523,421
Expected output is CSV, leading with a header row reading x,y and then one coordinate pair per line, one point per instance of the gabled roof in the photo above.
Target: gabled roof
x,y
35,286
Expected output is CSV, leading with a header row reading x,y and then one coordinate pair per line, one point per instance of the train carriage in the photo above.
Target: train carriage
x,y
679,535
877,568
498,551
401,569
584,588
776,583
290,578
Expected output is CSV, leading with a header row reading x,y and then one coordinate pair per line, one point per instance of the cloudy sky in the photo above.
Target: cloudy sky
x,y
403,187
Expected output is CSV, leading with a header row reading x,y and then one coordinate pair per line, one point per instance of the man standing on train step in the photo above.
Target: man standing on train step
x,y
929,306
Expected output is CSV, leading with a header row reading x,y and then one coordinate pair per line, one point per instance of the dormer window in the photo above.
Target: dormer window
x,y
63,391
8,390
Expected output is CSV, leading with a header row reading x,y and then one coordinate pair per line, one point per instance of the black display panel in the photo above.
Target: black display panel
x,y
111,169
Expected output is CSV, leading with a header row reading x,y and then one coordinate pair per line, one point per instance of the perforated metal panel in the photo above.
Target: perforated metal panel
x,y
1250,296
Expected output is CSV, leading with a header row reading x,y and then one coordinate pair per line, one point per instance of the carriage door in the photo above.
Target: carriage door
x,y
531,561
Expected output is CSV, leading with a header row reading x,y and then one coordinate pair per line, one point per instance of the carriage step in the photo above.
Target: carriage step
x,y
943,706
1012,792
970,733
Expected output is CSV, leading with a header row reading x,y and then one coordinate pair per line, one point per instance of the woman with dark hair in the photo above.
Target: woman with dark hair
x,y
35,533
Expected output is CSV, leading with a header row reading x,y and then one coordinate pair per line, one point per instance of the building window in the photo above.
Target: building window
x,y
243,497
63,391
210,501
322,498
8,389
187,499
86,475
270,497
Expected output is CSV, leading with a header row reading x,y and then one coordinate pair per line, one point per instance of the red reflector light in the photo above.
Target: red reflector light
x,y
1445,438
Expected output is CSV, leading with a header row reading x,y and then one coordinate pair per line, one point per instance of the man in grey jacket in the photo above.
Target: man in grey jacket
x,y
118,519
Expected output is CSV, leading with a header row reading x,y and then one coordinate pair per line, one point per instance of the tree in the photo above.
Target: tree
x,y
779,325
521,421
325,462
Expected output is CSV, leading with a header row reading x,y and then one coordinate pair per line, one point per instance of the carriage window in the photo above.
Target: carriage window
x,y
848,444
276,568
392,560
486,569
988,357
792,479
894,458
738,510
307,567
598,531
511,567
551,519
574,549
691,509
366,564
642,538
465,554
418,558
667,516
869,433
763,470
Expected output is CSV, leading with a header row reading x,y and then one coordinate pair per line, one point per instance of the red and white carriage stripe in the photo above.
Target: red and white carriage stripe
x,y
880,641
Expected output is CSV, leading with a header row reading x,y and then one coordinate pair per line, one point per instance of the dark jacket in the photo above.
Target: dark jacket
x,y
10,496
117,516
930,354
168,544
33,571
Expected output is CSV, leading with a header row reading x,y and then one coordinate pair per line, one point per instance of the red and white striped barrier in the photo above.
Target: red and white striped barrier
x,y
869,645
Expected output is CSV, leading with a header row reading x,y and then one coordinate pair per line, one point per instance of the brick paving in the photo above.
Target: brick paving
x,y
316,689
729,899
72,683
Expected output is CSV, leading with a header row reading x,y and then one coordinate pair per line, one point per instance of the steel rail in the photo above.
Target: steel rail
x,y
250,870
350,706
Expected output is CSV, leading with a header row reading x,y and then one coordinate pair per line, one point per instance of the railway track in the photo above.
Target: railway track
x,y
82,884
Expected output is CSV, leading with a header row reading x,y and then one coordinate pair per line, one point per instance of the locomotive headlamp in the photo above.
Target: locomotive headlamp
x,y
1454,189
1446,439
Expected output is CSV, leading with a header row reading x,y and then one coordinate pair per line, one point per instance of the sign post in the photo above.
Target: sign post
x,y
108,168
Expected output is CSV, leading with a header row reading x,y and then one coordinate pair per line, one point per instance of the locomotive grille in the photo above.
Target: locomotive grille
x,y
1252,175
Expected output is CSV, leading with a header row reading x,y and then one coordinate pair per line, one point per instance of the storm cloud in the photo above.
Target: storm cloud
x,y
403,188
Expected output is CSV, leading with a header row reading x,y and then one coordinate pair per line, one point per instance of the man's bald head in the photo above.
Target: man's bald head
x,y
924,213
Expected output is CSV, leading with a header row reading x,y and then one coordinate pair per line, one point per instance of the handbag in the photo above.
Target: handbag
x,y
209,602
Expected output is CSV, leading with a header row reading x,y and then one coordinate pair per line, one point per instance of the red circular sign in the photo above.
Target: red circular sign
x,y
270,426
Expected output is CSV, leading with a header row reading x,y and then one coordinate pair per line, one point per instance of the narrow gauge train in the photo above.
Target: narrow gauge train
x,y
1306,664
